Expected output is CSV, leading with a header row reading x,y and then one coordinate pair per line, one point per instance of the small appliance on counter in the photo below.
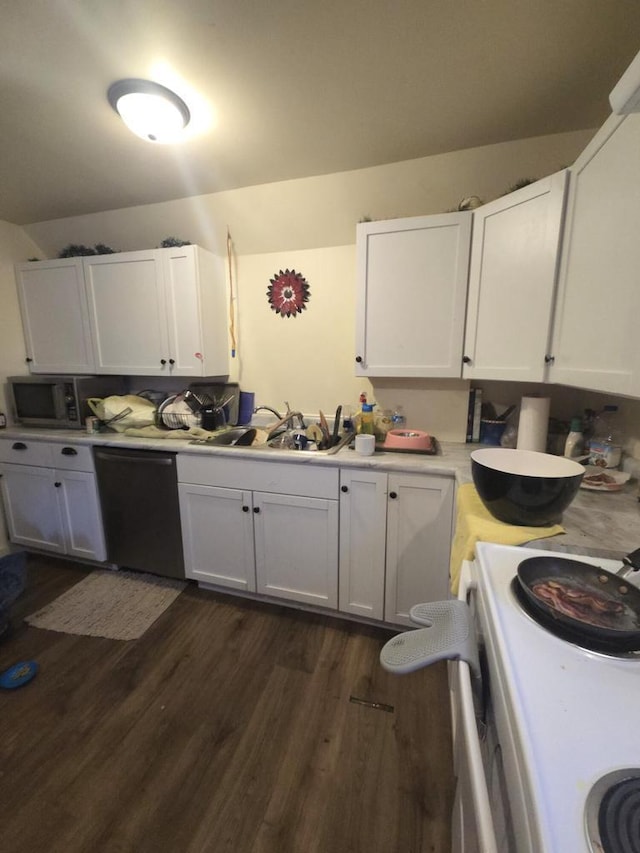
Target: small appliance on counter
x,y
58,401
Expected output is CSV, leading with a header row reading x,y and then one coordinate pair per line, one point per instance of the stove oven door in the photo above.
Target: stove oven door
x,y
481,816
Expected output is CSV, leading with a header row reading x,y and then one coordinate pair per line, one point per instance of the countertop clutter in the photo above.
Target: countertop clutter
x,y
601,524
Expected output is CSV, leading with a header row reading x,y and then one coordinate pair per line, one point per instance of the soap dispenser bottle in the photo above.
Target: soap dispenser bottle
x,y
574,445
366,419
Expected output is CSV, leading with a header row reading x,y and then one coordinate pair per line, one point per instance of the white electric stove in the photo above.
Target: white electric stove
x,y
566,719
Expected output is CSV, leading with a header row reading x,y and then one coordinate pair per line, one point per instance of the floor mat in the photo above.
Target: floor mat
x,y
117,605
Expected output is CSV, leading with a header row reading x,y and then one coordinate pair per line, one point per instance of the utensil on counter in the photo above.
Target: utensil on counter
x,y
194,402
336,427
505,414
246,439
324,426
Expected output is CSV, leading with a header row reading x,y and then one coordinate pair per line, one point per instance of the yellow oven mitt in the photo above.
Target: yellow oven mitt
x,y
474,523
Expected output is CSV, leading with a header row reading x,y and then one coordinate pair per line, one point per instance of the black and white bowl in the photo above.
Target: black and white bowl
x,y
525,487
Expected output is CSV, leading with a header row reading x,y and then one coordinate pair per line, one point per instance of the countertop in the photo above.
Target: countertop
x,y
601,524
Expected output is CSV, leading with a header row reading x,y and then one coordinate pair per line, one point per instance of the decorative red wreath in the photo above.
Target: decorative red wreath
x,y
287,293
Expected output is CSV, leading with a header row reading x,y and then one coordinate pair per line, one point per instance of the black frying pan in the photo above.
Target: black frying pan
x,y
608,608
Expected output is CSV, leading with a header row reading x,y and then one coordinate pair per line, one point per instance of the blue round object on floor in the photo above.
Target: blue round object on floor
x,y
18,674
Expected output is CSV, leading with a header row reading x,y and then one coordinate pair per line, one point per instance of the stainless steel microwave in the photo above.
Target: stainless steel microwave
x,y
57,401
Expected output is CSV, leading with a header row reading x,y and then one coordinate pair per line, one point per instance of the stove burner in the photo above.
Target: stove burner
x,y
566,633
612,813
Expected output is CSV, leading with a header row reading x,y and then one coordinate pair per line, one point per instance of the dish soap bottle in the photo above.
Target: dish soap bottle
x,y
605,448
574,445
366,419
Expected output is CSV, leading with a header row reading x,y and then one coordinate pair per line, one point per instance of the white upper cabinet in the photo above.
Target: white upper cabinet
x,y
127,312
55,318
160,312
411,297
598,306
512,279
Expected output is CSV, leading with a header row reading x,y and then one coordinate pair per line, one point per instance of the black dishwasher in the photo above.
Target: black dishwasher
x,y
140,511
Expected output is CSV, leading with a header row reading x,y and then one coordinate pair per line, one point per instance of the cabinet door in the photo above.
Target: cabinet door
x,y
596,323
512,278
196,312
33,511
82,518
55,316
217,535
363,526
412,289
419,527
127,313
297,548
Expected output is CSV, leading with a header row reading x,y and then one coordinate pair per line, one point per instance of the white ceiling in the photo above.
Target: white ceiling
x,y
290,88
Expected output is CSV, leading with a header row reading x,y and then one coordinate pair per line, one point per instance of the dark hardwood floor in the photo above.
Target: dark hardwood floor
x,y
229,726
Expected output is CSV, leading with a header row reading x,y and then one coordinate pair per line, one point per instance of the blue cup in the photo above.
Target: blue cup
x,y
246,405
491,432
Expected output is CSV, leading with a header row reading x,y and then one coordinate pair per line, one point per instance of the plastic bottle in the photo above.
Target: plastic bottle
x,y
605,448
574,445
366,419
398,419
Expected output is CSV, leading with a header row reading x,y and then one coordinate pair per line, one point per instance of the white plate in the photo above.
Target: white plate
x,y
619,478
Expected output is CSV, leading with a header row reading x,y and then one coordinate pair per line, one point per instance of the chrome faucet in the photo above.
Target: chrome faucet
x,y
268,409
282,419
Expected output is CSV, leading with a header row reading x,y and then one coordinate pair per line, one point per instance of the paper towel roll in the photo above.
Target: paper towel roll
x,y
533,423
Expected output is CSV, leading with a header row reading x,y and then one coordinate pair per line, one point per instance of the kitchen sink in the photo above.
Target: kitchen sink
x,y
236,436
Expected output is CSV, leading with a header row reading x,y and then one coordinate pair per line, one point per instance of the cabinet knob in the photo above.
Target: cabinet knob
x,y
256,509
393,495
28,359
359,359
549,359
466,359
163,361
57,485
172,361
344,488
69,451
245,509
18,445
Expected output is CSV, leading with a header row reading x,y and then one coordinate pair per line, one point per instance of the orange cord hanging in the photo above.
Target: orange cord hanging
x,y
232,322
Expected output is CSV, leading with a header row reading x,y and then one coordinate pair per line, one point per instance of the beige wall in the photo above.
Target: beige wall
x,y
15,245
317,212
309,225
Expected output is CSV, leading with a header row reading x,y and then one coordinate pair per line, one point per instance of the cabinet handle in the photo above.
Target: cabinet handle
x,y
359,359
172,361
549,359
163,361
18,445
393,495
69,451
245,509
57,485
256,509
344,488
466,359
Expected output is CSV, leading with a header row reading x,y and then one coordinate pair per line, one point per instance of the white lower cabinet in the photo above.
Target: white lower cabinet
x,y
217,535
52,505
297,548
263,527
395,539
363,536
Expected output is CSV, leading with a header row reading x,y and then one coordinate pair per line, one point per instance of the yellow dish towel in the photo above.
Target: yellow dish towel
x,y
474,523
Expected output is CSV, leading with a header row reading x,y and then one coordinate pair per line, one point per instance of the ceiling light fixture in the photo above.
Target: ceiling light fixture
x,y
149,110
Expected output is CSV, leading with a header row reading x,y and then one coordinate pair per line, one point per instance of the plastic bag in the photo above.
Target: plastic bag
x,y
122,412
